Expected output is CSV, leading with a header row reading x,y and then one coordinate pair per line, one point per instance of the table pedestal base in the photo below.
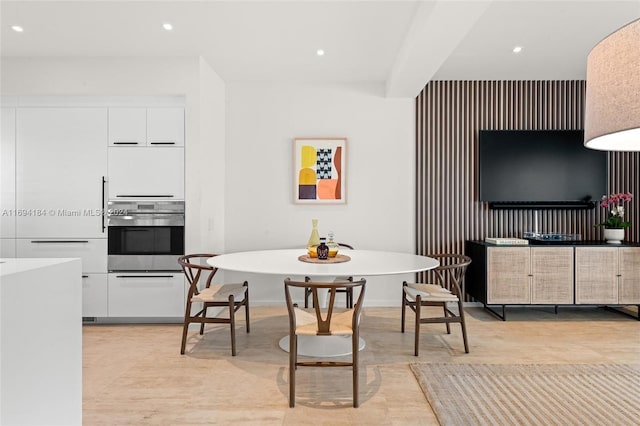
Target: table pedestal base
x,y
322,346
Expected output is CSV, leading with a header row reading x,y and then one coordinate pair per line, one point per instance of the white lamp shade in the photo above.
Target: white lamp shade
x,y
612,108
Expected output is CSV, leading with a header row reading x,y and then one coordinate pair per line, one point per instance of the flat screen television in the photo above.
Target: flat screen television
x,y
539,169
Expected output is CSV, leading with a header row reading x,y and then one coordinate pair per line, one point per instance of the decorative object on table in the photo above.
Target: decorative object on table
x,y
327,322
333,246
341,258
615,223
319,167
612,102
314,239
323,250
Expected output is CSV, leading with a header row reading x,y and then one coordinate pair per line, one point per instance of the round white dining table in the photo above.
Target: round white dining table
x,y
362,263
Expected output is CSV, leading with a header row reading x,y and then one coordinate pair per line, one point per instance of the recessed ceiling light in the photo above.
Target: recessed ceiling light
x,y
320,52
17,28
167,26
517,49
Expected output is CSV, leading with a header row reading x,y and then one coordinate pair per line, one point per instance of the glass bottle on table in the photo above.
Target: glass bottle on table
x,y
333,246
314,240
323,250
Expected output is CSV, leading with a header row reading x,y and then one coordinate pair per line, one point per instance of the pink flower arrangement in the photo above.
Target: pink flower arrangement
x,y
613,203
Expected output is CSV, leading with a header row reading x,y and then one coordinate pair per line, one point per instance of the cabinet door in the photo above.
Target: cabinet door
x,y
629,280
127,126
61,161
552,270
508,275
94,295
93,252
146,295
7,247
7,173
596,275
147,172
165,126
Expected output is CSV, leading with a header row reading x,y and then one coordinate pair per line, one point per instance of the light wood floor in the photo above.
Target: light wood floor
x,y
134,374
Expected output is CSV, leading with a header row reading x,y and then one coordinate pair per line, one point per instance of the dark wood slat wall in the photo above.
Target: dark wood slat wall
x,y
449,115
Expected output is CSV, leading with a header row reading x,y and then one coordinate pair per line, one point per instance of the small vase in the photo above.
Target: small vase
x,y
614,235
314,239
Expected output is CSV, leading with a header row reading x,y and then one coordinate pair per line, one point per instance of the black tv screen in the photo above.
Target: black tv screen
x,y
549,168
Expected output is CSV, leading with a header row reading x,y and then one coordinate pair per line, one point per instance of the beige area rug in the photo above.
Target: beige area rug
x,y
541,394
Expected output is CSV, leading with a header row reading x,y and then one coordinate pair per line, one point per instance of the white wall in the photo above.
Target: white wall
x,y
263,119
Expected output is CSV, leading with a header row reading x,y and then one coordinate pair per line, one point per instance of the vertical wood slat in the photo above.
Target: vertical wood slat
x,y
449,116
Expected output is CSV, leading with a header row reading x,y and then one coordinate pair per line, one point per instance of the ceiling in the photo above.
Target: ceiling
x,y
401,43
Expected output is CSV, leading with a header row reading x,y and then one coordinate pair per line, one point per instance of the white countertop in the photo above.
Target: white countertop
x,y
285,262
14,266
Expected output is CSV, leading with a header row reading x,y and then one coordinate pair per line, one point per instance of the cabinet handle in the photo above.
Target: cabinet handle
x,y
102,215
85,276
59,241
126,143
143,196
144,276
162,143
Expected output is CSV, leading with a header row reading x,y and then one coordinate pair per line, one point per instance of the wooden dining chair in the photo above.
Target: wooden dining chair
x,y
231,296
348,292
447,290
323,322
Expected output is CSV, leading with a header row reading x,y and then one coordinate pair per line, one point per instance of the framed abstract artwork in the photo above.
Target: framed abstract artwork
x,y
319,166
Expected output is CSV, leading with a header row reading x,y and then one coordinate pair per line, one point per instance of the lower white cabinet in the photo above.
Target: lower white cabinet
x,y
92,251
94,295
7,247
146,294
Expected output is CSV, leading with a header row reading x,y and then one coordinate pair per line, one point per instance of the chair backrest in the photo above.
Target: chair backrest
x,y
350,247
324,318
193,265
451,270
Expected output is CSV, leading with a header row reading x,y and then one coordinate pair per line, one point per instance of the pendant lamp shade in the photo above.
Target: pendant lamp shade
x,y
612,108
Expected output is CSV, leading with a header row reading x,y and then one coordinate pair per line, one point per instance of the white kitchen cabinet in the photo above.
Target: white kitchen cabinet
x,y
127,126
146,173
7,247
94,295
165,126
61,161
146,294
7,173
157,126
93,252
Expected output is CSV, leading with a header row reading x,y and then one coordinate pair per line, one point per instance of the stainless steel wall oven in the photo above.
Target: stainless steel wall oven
x,y
145,235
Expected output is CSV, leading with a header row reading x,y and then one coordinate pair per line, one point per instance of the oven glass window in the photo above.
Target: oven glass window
x,y
145,240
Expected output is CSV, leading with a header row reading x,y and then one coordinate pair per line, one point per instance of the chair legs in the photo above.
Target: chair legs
x,y
293,359
355,346
448,318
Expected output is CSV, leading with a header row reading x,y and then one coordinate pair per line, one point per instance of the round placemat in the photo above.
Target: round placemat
x,y
340,258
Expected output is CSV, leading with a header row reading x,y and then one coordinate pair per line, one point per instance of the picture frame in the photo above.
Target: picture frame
x,y
319,170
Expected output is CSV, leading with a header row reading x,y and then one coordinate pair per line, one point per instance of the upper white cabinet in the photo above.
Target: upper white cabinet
x,y
61,162
146,173
158,126
7,173
127,126
165,126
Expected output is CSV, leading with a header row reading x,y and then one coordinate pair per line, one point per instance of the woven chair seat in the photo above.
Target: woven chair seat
x,y
429,293
220,293
307,324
